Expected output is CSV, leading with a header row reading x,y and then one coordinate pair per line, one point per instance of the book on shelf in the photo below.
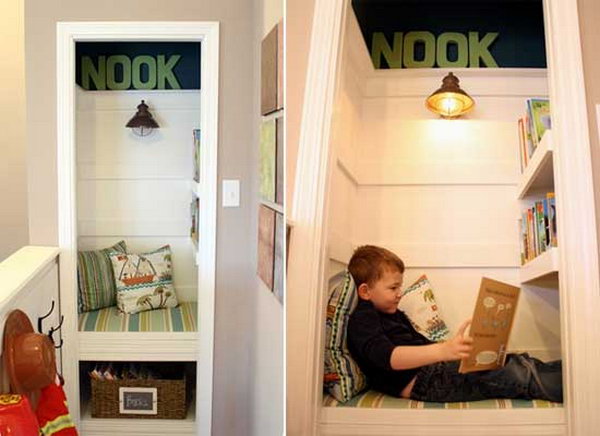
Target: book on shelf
x,y
194,214
532,127
537,228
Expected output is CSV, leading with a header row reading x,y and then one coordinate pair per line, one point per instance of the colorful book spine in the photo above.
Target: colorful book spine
x,y
547,244
541,228
552,218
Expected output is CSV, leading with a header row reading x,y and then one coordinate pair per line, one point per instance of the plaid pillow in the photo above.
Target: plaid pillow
x,y
95,278
343,379
419,305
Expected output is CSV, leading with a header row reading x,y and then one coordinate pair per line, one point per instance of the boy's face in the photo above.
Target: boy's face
x,y
385,292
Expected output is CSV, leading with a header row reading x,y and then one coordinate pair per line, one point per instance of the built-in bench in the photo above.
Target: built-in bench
x,y
377,400
183,318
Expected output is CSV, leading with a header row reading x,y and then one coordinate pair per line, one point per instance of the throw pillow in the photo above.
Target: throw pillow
x,y
419,305
343,379
95,278
144,281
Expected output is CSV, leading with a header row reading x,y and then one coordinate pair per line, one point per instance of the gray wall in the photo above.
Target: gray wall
x,y
236,240
13,174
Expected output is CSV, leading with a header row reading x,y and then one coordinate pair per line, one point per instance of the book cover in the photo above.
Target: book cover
x,y
524,238
522,158
521,241
529,136
541,228
540,116
546,224
491,325
552,218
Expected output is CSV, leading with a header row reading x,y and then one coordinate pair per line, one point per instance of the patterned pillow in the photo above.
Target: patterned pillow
x,y
144,281
343,379
418,303
95,278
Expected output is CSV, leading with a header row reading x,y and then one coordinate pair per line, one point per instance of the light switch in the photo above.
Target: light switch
x,y
231,193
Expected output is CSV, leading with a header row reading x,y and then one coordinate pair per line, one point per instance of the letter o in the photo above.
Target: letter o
x,y
111,65
410,40
136,70
462,61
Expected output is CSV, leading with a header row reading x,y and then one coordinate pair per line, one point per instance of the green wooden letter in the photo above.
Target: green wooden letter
x,y
479,49
136,69
380,47
89,71
165,73
462,44
111,65
410,40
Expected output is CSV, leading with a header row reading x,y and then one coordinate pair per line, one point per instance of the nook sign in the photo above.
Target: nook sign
x,y
472,51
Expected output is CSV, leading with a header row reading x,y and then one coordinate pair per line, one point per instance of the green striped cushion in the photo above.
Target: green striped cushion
x,y
182,318
377,400
96,279
342,378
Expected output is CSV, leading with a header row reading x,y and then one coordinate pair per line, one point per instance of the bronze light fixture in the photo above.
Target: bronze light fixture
x,y
450,101
142,122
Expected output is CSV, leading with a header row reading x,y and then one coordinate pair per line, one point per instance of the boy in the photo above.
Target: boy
x,y
399,361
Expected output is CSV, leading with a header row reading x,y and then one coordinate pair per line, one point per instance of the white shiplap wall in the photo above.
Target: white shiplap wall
x,y
439,193
138,189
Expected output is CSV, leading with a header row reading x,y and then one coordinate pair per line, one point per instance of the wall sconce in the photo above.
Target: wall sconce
x,y
450,101
142,122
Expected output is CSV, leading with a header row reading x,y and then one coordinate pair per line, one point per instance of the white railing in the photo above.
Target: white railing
x,y
29,282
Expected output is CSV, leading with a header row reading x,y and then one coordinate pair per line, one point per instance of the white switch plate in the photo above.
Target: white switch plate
x,y
231,193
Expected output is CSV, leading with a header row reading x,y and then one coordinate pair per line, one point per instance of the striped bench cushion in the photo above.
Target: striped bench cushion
x,y
182,318
377,400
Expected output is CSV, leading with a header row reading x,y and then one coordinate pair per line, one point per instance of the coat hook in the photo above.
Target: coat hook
x,y
41,318
55,329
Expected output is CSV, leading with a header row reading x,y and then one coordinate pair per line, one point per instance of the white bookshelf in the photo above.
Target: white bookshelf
x,y
538,177
539,173
543,266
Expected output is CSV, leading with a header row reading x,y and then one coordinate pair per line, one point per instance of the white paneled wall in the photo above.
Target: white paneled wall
x,y
439,193
138,189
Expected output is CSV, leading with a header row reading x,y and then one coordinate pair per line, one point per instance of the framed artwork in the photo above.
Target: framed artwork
x,y
279,188
266,244
271,71
268,160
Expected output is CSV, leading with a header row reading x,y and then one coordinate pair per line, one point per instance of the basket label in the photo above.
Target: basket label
x,y
140,401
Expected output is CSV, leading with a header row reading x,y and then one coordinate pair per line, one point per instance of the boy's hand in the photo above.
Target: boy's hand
x,y
459,346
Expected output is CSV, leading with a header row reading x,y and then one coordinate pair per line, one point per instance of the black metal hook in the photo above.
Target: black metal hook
x,y
55,329
41,318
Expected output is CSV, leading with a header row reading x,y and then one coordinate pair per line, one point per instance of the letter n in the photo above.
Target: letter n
x,y
380,47
89,72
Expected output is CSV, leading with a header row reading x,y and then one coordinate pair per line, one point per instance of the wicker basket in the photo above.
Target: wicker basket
x,y
171,398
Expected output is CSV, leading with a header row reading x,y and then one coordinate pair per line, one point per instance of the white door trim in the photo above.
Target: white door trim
x,y
208,34
579,271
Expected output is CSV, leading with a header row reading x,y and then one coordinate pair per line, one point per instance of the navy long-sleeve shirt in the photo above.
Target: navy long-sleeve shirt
x,y
372,336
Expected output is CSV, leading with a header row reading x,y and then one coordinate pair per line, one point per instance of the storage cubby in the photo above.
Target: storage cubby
x,y
182,373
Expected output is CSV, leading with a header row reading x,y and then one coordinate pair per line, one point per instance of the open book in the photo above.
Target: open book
x,y
491,325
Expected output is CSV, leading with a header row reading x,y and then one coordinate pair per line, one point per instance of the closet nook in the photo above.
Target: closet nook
x,y
144,208
447,197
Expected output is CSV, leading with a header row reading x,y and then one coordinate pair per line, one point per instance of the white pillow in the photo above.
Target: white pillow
x,y
419,305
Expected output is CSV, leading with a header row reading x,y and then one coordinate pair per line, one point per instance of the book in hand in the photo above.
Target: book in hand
x,y
491,326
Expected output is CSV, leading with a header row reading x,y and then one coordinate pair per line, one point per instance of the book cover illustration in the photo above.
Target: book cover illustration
x,y
539,109
491,325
